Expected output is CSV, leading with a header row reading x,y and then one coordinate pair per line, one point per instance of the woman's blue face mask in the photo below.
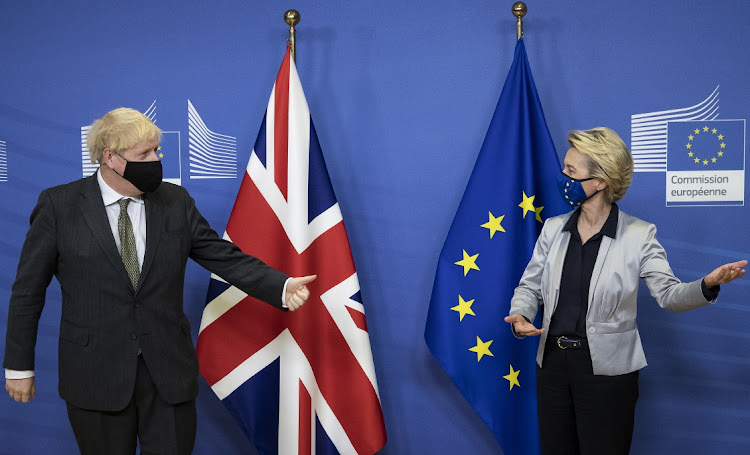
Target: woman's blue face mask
x,y
572,190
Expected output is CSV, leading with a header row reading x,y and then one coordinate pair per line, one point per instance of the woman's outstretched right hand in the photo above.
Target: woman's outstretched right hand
x,y
523,327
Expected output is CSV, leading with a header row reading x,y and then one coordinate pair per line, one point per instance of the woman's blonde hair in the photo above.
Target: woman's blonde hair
x,y
608,157
119,130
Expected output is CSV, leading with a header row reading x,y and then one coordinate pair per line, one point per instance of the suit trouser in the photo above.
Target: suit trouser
x,y
582,413
159,427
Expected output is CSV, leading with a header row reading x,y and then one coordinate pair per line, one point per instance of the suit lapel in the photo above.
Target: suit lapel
x,y
95,215
154,228
598,265
558,261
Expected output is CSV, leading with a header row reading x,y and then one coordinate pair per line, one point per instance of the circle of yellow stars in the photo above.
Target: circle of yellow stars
x,y
469,262
713,159
161,155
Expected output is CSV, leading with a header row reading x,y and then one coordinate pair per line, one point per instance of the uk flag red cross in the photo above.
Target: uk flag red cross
x,y
302,382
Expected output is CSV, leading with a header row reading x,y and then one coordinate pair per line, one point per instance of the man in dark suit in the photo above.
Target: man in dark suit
x,y
118,243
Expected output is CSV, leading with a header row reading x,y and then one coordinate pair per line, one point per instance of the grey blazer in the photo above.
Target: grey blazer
x,y
611,328
104,321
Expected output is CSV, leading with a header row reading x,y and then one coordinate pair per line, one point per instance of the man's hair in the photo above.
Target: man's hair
x,y
119,130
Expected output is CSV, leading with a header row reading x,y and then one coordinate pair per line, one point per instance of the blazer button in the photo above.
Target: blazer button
x,y
133,336
592,329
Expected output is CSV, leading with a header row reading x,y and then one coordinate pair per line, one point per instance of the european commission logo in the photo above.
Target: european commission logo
x,y
706,162
3,163
702,156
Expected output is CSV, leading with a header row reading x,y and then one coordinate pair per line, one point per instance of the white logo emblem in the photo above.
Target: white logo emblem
x,y
3,163
212,155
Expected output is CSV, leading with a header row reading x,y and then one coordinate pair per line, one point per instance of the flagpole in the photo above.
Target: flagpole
x,y
292,17
519,10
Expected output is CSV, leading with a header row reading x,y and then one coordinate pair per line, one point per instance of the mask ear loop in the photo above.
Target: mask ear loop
x,y
597,187
597,190
121,157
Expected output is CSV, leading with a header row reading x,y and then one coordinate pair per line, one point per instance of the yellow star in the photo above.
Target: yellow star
x,y
463,308
705,128
161,155
538,211
690,153
713,160
527,204
713,130
689,145
721,137
494,224
697,160
158,148
690,137
721,153
697,131
705,162
723,145
468,262
512,377
482,349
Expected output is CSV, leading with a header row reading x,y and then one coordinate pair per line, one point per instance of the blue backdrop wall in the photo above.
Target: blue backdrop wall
x,y
401,93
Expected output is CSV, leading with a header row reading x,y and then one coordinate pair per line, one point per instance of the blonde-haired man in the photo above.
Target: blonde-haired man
x,y
118,243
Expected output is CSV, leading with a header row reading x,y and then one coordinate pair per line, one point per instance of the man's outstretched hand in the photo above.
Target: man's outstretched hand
x,y
297,293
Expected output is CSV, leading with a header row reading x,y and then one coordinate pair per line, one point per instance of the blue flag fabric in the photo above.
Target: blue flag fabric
x,y
511,191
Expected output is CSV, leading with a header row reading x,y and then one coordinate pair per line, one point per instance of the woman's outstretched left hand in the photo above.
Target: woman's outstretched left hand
x,y
725,273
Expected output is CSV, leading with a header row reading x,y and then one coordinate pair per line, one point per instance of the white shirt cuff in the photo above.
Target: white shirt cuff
x,y
283,293
15,374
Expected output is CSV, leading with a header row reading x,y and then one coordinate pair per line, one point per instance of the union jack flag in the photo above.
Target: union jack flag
x,y
302,382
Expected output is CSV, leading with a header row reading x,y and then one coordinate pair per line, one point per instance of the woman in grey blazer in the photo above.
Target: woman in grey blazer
x,y
585,269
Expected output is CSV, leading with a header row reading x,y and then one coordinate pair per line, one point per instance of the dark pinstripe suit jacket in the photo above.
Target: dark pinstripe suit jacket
x,y
104,322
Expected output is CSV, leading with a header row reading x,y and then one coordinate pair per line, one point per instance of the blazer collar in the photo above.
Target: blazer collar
x,y
609,228
154,229
601,257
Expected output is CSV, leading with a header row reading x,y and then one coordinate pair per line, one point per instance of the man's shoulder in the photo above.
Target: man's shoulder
x,y
74,187
170,191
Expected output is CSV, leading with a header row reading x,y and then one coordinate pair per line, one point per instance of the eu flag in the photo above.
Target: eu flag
x,y
511,191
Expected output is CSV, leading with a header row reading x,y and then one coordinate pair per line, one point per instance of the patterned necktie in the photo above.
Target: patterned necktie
x,y
127,242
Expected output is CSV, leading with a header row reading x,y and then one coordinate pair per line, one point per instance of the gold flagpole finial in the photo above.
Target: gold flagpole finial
x,y
291,17
519,10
